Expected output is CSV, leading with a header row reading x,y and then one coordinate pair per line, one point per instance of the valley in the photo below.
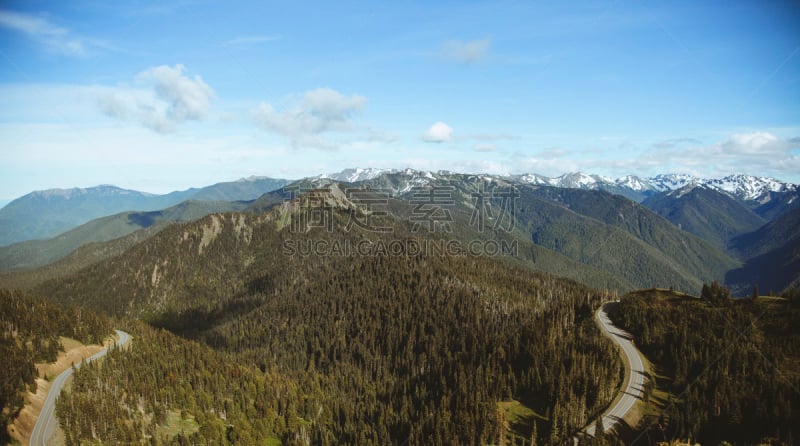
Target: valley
x,y
389,343
416,223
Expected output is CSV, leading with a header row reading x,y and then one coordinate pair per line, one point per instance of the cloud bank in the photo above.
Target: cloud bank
x,y
314,113
757,151
164,99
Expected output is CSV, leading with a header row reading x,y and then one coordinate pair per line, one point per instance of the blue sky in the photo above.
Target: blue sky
x,y
159,96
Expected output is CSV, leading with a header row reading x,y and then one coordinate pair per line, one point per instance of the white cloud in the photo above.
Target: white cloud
x,y
187,98
54,37
438,133
466,52
754,143
757,153
761,152
169,99
316,112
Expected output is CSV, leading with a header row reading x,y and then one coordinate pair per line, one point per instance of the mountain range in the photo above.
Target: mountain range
x,y
47,213
274,285
743,187
677,230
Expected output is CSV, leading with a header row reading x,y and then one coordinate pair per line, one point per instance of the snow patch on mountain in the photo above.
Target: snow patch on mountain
x,y
356,174
743,187
747,187
633,182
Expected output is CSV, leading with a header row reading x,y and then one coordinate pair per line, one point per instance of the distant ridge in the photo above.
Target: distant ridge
x,y
34,253
47,213
44,214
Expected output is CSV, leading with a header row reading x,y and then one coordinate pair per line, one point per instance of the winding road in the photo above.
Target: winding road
x,y
634,373
46,423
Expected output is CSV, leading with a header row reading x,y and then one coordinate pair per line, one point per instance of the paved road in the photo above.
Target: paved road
x,y
46,423
634,375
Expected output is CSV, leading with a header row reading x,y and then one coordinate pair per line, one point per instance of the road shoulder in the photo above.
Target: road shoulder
x,y
22,427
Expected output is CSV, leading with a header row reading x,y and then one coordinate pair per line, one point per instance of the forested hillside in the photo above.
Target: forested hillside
x,y
729,367
385,350
384,345
29,333
224,255
381,348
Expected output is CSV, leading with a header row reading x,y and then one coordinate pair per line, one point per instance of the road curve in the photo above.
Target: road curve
x,y
46,422
634,373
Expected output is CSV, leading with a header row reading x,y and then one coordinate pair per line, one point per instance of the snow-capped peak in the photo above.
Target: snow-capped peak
x,y
357,174
672,181
579,180
533,178
747,187
634,183
743,187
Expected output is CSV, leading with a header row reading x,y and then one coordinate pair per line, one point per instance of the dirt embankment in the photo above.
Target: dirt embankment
x,y
74,353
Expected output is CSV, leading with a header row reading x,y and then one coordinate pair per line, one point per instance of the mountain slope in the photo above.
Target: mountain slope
x,y
775,204
587,235
772,253
34,253
769,237
222,253
620,236
708,213
377,342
